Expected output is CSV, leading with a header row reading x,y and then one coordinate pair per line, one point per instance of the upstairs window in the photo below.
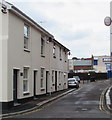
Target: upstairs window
x,y
95,62
54,50
65,56
26,37
42,46
60,54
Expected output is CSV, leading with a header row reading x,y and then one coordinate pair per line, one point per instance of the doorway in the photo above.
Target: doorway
x,y
47,78
35,82
15,84
55,80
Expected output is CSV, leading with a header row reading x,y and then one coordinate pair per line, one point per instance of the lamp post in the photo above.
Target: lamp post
x,y
107,22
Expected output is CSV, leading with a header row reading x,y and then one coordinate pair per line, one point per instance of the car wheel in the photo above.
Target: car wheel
x,y
77,86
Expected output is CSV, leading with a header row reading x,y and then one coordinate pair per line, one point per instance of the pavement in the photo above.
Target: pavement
x,y
37,103
111,98
108,99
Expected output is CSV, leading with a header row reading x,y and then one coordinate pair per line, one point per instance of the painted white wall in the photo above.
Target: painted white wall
x,y
0,54
14,57
3,56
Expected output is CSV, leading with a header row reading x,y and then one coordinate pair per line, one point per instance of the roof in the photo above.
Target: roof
x,y
82,63
18,12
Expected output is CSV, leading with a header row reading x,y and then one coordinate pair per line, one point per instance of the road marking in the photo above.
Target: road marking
x,y
108,101
84,109
101,103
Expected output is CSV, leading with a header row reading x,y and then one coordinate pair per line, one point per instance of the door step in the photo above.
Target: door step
x,y
35,98
16,104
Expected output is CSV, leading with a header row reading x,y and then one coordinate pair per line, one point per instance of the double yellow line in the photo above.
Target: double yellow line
x,y
102,100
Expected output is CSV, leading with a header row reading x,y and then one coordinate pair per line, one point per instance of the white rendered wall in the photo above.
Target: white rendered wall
x,y
3,57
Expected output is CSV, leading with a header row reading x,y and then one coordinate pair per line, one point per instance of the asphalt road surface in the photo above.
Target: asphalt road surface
x,y
81,103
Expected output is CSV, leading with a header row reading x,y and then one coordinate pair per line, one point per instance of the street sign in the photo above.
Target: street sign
x,y
107,21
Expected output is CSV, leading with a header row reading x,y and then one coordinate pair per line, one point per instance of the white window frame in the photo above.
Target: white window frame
x,y
26,79
26,37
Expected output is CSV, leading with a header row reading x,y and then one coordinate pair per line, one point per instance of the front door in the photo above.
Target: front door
x,y
55,80
47,78
15,78
35,82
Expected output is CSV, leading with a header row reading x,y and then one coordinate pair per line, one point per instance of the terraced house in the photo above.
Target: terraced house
x,y
32,62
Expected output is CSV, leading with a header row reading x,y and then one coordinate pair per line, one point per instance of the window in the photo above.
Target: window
x,y
52,76
25,79
26,37
54,51
60,54
95,62
42,78
65,56
42,46
59,77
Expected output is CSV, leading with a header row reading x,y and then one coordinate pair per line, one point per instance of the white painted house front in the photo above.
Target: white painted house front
x,y
32,62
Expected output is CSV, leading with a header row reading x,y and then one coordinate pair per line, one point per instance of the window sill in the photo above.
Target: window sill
x,y
26,50
42,55
26,93
42,89
54,56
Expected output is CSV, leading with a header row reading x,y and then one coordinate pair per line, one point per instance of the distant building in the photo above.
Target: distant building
x,y
102,64
81,65
98,64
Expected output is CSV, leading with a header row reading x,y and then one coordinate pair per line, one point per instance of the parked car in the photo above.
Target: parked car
x,y
72,82
77,78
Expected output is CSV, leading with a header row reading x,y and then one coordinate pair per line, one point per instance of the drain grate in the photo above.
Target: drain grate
x,y
84,109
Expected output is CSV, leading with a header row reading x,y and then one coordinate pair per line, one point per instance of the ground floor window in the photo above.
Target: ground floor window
x,y
25,79
59,76
42,78
52,76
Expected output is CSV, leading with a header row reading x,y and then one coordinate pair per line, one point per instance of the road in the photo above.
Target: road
x,y
81,103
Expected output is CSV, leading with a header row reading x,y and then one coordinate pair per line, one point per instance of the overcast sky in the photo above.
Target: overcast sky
x,y
77,24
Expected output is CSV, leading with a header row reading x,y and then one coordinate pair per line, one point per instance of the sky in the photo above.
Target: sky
x,y
77,24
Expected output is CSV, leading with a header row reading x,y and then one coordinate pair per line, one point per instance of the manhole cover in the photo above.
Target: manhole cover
x,y
84,109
